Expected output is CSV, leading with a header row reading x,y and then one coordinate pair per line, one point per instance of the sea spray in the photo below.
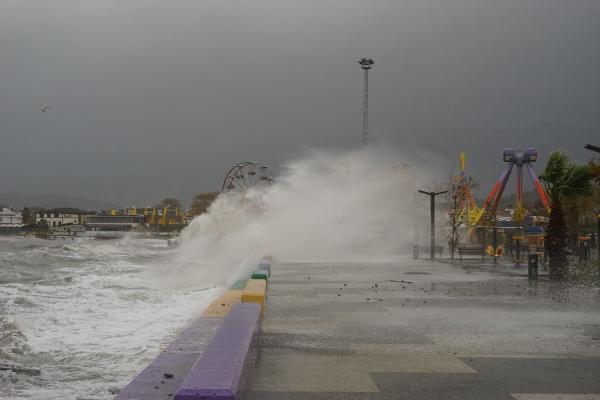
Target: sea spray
x,y
327,206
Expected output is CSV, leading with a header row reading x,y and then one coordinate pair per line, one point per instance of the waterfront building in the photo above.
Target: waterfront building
x,y
11,221
154,216
10,216
56,217
115,222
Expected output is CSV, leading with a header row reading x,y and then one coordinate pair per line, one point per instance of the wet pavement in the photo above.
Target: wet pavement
x,y
418,330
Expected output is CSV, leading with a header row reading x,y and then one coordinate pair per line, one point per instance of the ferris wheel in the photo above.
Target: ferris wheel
x,y
246,175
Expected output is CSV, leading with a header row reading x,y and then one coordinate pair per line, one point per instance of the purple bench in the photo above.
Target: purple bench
x,y
164,375
265,265
222,371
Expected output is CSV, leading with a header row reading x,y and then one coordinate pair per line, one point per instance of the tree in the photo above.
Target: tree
x,y
171,202
202,201
563,180
455,197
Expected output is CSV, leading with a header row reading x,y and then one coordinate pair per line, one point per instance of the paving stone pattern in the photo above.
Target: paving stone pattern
x,y
409,329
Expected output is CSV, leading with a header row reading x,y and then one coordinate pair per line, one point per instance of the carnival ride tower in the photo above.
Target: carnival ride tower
x,y
468,211
519,159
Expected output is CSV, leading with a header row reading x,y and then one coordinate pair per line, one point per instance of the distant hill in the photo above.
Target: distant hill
x,y
51,200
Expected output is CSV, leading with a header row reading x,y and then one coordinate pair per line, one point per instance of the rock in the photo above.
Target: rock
x,y
17,369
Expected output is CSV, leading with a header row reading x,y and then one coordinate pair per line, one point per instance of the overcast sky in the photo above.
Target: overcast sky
x,y
153,98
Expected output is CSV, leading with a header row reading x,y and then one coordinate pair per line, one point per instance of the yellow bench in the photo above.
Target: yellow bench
x,y
255,292
223,304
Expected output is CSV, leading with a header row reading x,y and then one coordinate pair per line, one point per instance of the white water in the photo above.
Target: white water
x,y
326,206
83,313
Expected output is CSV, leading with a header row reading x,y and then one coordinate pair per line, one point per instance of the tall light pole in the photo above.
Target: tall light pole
x,y
366,65
432,204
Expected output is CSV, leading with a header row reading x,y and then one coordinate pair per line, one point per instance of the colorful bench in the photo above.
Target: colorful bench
x,y
212,357
223,304
223,370
255,292
265,265
259,274
166,372
239,285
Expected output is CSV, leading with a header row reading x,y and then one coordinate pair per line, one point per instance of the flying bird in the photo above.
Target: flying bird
x,y
45,108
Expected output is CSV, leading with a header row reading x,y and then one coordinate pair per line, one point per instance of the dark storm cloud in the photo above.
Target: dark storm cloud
x,y
154,98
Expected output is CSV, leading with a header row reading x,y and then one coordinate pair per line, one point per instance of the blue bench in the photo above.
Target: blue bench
x,y
265,265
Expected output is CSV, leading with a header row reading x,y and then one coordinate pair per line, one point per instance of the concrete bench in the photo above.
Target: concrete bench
x,y
164,375
259,274
223,304
222,371
477,251
238,285
265,265
255,292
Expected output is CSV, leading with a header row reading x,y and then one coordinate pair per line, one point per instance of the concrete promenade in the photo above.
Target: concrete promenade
x,y
420,330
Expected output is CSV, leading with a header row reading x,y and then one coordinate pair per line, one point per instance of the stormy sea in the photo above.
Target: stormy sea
x,y
79,318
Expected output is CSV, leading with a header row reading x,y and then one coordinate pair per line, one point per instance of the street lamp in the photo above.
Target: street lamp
x,y
432,205
366,65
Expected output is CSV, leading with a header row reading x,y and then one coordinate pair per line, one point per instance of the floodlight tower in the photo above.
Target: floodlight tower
x,y
366,65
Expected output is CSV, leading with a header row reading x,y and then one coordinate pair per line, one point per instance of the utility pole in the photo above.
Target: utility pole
x,y
366,65
597,150
454,211
432,205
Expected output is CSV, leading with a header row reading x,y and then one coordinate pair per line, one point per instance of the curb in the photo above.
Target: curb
x,y
214,357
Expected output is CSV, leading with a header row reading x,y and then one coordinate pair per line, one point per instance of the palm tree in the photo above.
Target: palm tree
x,y
562,179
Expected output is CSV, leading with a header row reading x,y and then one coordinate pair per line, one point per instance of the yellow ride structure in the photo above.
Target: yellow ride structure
x,y
468,213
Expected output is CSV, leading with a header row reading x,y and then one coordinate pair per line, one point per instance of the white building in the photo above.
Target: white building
x,y
62,216
8,216
11,221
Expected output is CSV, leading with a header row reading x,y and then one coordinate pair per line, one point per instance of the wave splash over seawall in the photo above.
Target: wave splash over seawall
x,y
325,206
90,314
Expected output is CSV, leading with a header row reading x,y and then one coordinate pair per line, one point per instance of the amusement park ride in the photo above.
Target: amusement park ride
x,y
471,215
243,176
